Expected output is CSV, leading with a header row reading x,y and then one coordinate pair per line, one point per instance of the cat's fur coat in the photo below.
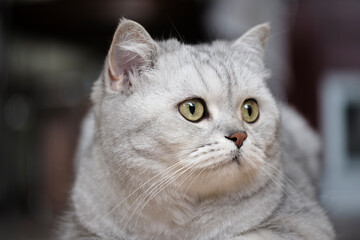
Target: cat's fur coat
x,y
145,172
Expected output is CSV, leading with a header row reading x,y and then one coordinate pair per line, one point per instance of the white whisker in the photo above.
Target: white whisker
x,y
156,188
140,187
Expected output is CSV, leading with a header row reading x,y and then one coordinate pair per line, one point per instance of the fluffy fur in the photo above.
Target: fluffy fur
x,y
145,172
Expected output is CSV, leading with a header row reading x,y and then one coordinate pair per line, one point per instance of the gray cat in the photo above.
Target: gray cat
x,y
187,142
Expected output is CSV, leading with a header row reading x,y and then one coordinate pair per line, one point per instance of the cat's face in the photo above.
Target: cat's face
x,y
201,117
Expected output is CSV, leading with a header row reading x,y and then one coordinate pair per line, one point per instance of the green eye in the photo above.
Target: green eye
x,y
250,111
192,110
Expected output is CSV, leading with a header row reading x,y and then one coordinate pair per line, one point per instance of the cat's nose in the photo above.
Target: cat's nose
x,y
238,138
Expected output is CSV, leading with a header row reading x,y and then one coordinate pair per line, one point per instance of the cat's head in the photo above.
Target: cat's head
x,y
199,117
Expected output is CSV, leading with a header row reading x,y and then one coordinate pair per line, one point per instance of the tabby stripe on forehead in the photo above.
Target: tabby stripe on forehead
x,y
218,74
201,76
225,80
209,64
197,69
232,73
228,77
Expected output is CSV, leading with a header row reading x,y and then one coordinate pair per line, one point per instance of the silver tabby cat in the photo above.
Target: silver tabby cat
x,y
187,142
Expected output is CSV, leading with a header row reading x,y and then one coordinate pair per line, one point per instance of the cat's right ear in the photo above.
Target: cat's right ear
x,y
254,39
132,50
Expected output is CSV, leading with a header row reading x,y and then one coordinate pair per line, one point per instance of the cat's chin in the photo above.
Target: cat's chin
x,y
230,175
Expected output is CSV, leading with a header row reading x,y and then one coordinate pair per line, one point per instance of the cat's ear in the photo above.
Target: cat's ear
x,y
255,38
132,50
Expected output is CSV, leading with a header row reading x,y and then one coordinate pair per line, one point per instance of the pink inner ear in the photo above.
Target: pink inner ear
x,y
115,83
122,64
125,60
131,50
127,57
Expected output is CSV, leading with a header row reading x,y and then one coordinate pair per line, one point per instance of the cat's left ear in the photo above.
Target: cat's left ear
x,y
132,50
255,38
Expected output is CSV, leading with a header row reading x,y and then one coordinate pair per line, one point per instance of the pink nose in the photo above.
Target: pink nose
x,y
238,138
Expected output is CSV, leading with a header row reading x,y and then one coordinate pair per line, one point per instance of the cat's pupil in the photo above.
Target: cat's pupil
x,y
249,109
191,108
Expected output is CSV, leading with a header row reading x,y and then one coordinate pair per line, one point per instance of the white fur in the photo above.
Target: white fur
x,y
148,173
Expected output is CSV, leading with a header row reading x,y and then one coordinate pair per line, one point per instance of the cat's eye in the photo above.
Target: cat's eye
x,y
250,111
192,109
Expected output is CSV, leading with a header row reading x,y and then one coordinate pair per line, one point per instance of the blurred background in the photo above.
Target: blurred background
x,y
51,51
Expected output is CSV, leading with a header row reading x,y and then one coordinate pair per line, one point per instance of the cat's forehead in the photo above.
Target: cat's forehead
x,y
175,55
210,68
174,49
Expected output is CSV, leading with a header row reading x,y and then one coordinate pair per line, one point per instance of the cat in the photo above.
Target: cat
x,y
187,142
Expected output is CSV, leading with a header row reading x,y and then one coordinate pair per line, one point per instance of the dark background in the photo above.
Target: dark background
x,y
51,52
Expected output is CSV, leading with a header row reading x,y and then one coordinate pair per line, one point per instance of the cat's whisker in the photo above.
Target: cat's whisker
x,y
164,186
184,169
177,32
146,194
164,172
184,180
194,170
206,178
278,182
157,188
152,196
193,150
286,178
297,201
205,159
279,172
155,185
194,180
164,178
277,34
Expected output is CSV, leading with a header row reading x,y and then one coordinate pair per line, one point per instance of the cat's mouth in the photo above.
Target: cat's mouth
x,y
236,159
